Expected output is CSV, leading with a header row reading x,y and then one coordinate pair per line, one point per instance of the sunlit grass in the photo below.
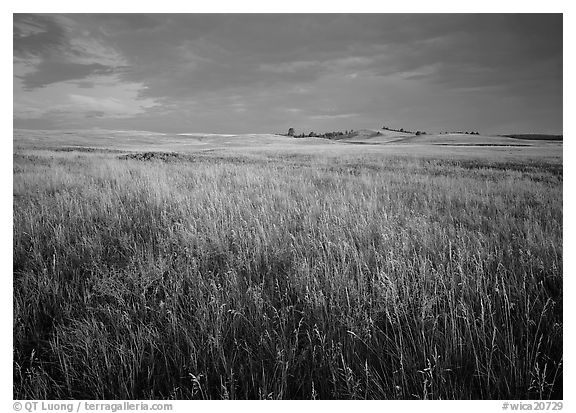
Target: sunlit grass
x,y
286,277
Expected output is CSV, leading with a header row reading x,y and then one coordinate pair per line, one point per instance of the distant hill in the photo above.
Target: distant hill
x,y
150,141
375,137
116,140
535,137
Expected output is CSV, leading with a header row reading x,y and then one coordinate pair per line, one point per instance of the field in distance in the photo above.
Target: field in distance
x,y
392,266
380,141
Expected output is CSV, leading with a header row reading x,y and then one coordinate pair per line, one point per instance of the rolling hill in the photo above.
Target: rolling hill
x,y
150,141
380,137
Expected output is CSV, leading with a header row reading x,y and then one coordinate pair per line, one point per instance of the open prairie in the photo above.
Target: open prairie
x,y
262,266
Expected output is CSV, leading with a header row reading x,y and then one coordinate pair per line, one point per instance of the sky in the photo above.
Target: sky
x,y
265,73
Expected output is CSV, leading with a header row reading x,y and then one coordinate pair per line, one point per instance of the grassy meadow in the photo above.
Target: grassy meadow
x,y
277,275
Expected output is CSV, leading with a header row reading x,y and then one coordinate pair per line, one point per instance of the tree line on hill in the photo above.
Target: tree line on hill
x,y
351,133
345,134
462,132
402,130
326,135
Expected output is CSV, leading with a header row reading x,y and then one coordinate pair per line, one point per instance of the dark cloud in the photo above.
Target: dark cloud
x,y
183,55
48,72
117,23
45,44
348,64
37,36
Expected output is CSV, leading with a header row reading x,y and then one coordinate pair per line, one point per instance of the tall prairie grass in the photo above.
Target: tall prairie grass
x,y
286,277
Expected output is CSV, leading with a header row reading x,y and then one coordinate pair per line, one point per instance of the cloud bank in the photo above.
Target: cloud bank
x,y
265,73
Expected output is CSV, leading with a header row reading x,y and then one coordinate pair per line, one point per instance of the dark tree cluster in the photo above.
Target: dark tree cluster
x,y
326,135
463,132
397,130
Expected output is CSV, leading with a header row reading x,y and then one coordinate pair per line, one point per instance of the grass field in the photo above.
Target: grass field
x,y
321,270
